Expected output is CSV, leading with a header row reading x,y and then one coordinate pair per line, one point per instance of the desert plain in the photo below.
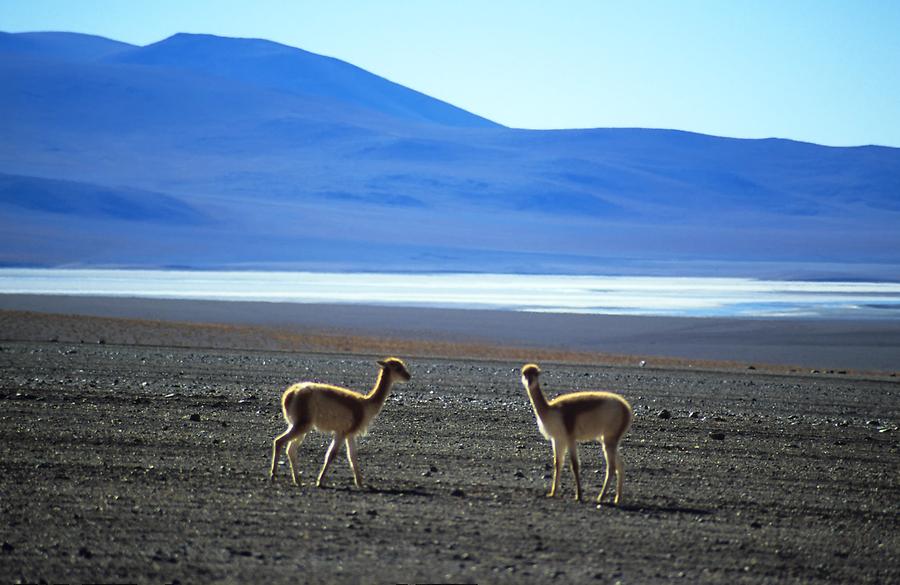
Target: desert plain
x,y
136,449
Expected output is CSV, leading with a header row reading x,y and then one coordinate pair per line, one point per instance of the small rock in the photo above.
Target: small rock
x,y
433,469
664,414
195,417
372,513
458,493
873,423
519,473
8,547
755,524
717,436
751,367
85,553
694,414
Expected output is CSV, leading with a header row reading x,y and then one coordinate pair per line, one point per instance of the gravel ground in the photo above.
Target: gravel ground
x,y
134,464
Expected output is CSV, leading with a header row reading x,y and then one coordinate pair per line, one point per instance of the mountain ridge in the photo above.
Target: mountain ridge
x,y
277,66
303,167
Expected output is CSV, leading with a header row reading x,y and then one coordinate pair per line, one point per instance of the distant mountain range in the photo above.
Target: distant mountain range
x,y
204,152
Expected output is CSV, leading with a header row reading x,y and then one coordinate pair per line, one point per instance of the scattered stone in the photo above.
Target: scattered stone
x,y
433,469
694,414
8,547
195,417
664,414
873,423
519,474
372,513
717,436
85,553
751,367
458,493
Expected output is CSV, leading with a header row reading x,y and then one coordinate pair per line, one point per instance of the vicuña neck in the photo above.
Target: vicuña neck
x,y
538,401
382,387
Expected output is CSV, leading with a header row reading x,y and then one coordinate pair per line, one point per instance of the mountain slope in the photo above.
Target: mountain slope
x,y
275,66
60,45
290,159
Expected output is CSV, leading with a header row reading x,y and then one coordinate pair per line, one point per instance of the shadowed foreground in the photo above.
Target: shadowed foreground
x,y
124,463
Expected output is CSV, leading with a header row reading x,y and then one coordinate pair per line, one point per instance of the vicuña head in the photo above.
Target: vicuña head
x,y
332,409
580,416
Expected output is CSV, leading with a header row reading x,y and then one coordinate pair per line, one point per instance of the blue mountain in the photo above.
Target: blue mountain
x,y
60,45
271,65
208,151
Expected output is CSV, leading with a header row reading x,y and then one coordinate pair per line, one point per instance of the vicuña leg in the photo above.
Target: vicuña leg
x,y
329,457
559,457
620,474
278,445
573,456
292,458
354,464
609,464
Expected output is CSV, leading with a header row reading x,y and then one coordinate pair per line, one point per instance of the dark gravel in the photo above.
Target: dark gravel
x,y
126,464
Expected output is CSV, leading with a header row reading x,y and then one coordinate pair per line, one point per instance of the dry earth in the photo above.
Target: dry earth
x,y
123,463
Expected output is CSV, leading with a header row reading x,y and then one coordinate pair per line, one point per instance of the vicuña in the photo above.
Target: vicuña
x,y
580,416
332,409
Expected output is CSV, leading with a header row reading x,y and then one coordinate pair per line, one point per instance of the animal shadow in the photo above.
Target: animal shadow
x,y
655,509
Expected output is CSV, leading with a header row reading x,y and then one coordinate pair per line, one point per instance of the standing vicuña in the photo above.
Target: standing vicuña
x,y
580,416
332,409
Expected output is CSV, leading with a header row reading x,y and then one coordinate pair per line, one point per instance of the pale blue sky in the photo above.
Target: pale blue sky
x,y
824,71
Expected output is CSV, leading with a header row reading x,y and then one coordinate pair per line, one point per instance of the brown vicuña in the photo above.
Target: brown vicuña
x,y
580,416
332,409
